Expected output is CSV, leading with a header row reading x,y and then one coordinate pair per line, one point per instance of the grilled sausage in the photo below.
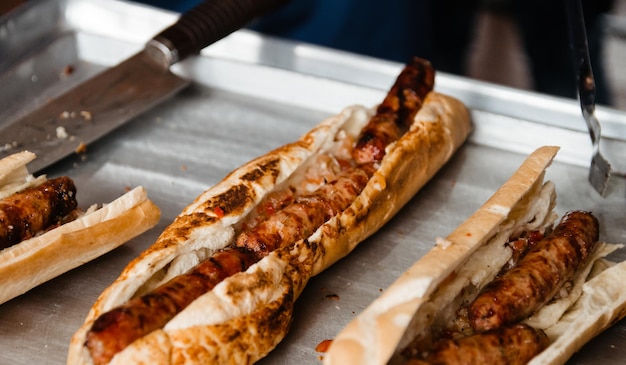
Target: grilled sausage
x,y
116,329
264,230
395,114
507,346
24,214
301,218
539,275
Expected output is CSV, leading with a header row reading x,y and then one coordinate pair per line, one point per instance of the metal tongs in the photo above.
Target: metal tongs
x,y
600,169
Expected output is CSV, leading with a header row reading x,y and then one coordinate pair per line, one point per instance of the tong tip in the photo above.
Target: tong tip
x,y
599,174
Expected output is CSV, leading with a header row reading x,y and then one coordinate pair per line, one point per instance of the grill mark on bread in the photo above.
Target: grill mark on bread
x,y
185,225
232,200
270,168
236,197
119,327
305,215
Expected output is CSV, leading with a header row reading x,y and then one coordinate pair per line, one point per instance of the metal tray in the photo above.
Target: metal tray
x,y
251,94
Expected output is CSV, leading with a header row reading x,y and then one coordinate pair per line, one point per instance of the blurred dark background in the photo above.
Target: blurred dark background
x,y
518,43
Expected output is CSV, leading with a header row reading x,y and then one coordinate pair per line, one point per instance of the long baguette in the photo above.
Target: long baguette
x,y
433,291
247,314
45,256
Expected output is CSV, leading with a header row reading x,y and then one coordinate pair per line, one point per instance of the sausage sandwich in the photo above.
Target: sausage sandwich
x,y
219,284
513,284
44,233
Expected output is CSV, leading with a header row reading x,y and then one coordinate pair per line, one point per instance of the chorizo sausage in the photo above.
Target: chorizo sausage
x,y
515,345
117,328
26,213
395,114
538,276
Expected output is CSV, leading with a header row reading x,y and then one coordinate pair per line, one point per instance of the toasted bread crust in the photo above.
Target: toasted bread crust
x,y
254,322
41,258
409,307
375,334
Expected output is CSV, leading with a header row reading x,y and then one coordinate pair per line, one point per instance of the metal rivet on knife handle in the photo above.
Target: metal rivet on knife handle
x,y
120,93
209,22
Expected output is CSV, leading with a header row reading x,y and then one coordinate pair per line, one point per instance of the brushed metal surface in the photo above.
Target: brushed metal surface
x,y
251,94
70,122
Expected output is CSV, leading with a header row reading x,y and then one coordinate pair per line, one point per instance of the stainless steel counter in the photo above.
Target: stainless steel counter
x,y
251,94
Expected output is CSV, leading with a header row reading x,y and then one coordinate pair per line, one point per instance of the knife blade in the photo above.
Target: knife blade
x,y
111,98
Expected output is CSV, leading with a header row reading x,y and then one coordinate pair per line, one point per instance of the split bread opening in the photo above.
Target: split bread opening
x,y
429,296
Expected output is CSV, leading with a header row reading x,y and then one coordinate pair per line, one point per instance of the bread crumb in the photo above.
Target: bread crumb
x,y
9,146
61,132
442,242
86,115
67,70
82,148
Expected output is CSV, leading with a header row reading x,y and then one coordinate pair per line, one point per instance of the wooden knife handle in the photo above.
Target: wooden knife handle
x,y
207,23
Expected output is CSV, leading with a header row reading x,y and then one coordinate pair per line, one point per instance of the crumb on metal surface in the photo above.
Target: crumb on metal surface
x,y
82,148
86,115
442,242
61,132
67,71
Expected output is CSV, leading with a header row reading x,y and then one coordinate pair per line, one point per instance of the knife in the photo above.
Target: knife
x,y
111,98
